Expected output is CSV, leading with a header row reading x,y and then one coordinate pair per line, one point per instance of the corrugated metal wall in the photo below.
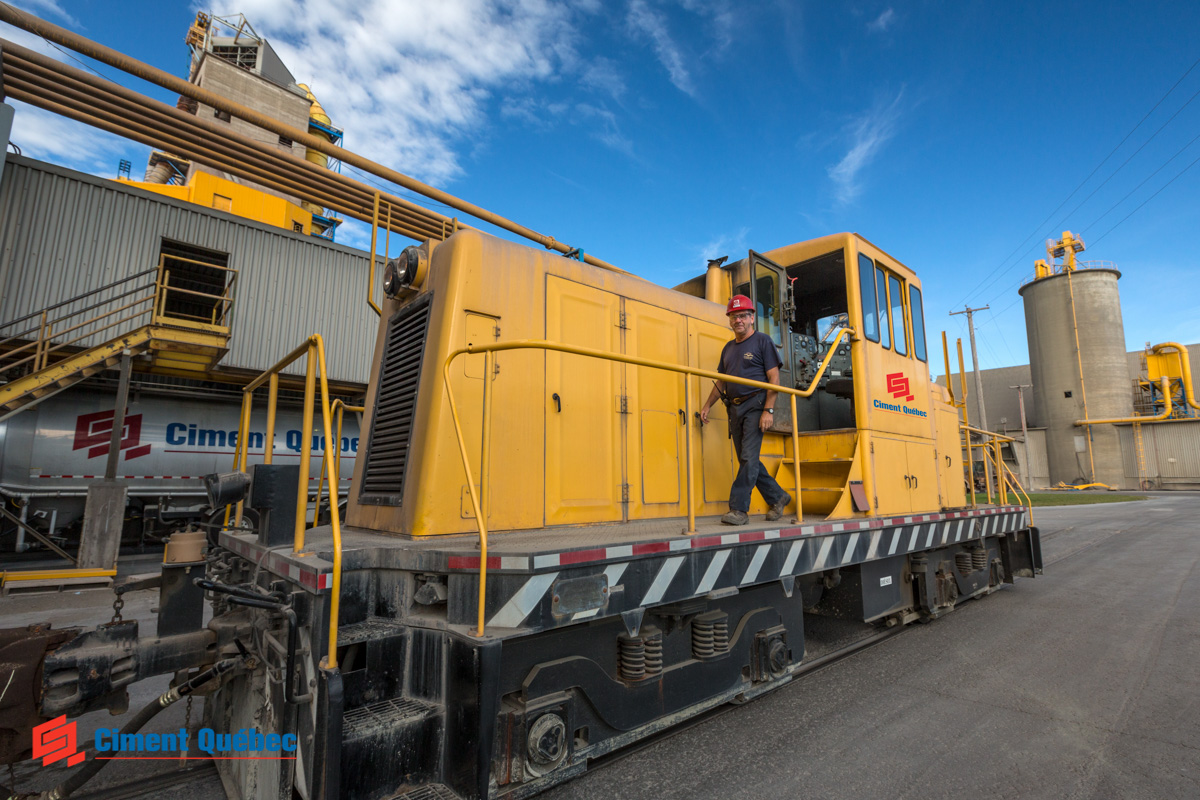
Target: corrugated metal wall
x,y
1172,453
63,233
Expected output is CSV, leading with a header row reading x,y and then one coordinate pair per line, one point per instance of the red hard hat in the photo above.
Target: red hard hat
x,y
739,302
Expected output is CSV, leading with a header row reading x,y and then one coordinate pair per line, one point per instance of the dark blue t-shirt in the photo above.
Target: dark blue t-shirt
x,y
749,359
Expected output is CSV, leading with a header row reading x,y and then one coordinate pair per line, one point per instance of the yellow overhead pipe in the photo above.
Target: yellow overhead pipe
x,y
1166,414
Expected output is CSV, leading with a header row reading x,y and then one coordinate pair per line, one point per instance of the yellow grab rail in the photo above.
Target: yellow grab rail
x,y
1021,491
314,349
479,506
339,408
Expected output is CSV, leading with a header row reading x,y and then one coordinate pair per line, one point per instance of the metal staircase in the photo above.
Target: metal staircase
x,y
180,329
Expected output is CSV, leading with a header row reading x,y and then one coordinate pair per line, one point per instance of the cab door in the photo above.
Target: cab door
x,y
771,293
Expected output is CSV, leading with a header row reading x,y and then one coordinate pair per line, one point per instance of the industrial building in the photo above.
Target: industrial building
x,y
1079,370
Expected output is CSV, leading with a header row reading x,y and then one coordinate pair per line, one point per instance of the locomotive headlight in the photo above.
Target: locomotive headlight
x,y
406,271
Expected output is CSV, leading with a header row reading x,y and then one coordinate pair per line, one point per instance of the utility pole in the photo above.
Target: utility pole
x,y
983,423
1024,432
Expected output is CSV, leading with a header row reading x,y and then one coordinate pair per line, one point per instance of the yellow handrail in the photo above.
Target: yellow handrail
x,y
339,408
314,349
531,344
1020,491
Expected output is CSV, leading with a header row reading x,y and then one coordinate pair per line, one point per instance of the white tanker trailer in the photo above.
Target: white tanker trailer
x,y
50,453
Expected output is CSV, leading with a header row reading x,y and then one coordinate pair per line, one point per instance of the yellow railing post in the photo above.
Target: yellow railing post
x,y
796,459
486,448
306,429
687,441
239,460
480,522
966,421
371,276
269,436
335,524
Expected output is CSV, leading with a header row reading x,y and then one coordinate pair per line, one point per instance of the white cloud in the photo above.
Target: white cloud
x,y
651,24
49,137
408,80
881,23
601,75
868,134
44,8
608,131
725,244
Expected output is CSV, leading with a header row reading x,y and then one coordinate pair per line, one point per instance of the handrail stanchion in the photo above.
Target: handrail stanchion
x,y
687,442
335,590
486,449
306,427
371,274
479,520
966,421
269,436
239,457
1001,483
796,459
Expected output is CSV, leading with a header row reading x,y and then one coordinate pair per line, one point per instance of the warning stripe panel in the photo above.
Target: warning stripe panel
x,y
708,541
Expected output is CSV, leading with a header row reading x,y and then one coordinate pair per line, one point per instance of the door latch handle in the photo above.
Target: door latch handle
x,y
557,402
682,417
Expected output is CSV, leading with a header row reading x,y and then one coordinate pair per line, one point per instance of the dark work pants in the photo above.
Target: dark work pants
x,y
747,442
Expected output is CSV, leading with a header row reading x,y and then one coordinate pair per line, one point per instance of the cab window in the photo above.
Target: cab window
x,y
766,296
918,321
897,297
885,334
870,309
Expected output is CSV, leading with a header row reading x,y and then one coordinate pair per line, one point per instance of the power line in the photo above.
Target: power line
x,y
1042,224
1140,185
1178,175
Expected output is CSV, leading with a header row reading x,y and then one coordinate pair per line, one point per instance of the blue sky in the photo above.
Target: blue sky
x,y
956,135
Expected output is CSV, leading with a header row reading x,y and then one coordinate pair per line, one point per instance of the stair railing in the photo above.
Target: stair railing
x,y
47,324
140,299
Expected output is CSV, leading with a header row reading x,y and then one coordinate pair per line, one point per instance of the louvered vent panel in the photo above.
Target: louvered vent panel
x,y
395,405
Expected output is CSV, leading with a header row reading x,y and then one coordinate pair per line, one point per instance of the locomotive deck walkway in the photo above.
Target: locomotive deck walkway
x,y
1081,683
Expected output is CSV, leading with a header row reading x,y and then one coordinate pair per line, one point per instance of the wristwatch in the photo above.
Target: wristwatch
x,y
770,411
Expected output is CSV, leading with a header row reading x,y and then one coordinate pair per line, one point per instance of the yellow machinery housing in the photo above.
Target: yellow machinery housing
x,y
249,202
577,440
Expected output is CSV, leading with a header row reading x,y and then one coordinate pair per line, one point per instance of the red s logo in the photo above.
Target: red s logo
x,y
54,741
897,384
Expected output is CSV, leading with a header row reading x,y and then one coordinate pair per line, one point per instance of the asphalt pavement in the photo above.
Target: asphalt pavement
x,y
1081,683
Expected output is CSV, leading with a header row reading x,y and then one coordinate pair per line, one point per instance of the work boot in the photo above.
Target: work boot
x,y
736,518
776,511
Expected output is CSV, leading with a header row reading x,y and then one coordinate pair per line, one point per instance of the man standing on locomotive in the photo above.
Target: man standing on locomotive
x,y
750,355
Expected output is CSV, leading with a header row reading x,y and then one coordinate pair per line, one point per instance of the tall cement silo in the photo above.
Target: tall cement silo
x,y
1077,363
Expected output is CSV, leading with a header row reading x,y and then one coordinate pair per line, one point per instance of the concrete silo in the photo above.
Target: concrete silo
x,y
1077,363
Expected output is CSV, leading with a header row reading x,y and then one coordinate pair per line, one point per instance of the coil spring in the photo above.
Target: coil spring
x,y
721,636
703,645
654,652
980,558
963,561
631,657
